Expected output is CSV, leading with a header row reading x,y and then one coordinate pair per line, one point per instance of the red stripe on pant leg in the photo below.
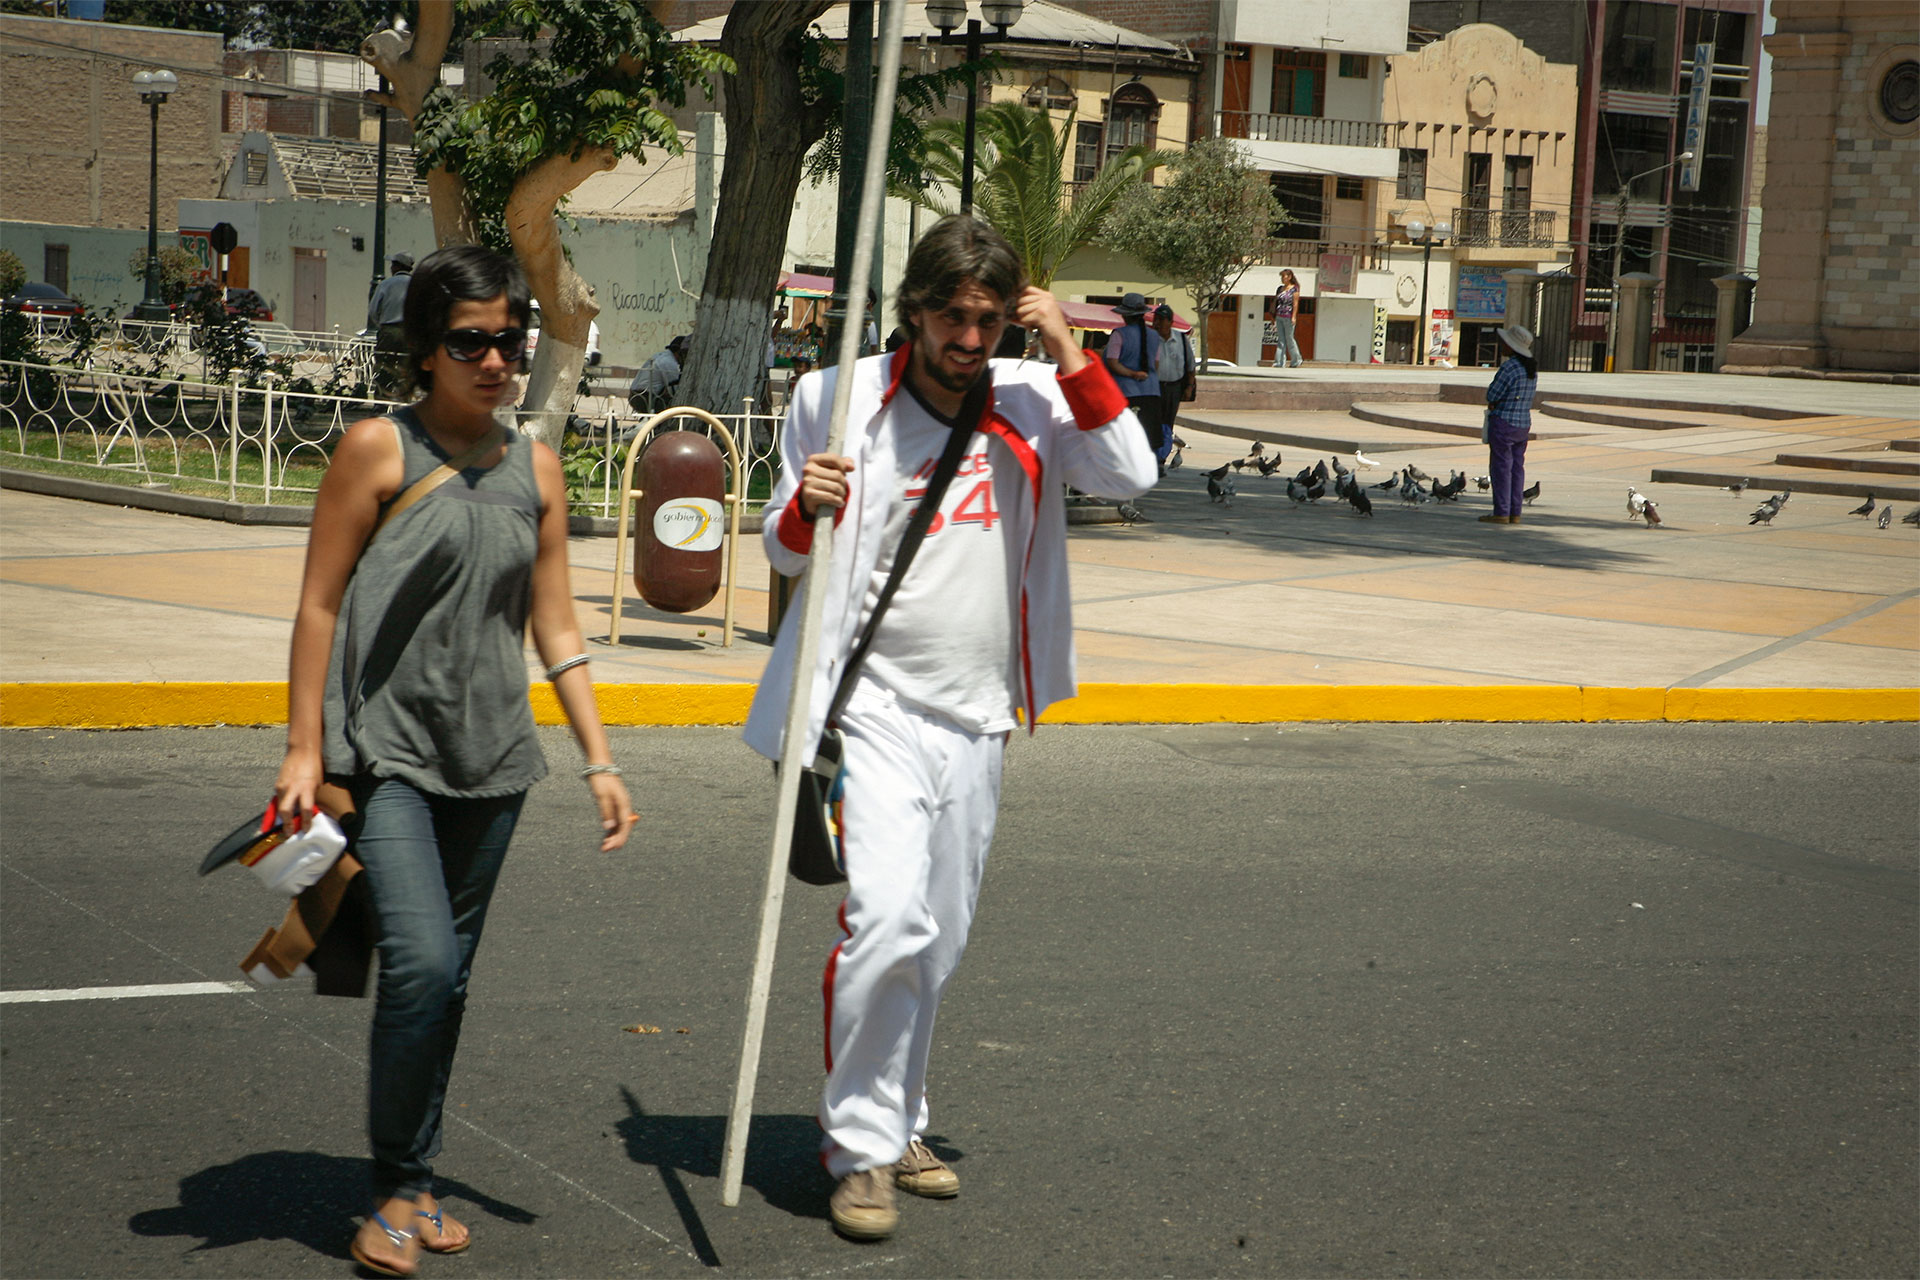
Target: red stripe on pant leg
x,y
826,985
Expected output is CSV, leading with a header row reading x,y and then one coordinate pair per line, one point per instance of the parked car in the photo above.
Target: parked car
x,y
43,299
245,302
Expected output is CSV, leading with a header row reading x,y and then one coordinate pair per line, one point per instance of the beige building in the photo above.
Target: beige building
x,y
1839,280
74,137
1484,129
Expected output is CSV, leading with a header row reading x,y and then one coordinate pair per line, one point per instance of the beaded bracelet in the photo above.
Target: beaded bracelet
x,y
566,664
590,770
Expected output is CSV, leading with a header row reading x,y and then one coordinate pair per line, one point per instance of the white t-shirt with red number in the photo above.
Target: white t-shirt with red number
x,y
946,642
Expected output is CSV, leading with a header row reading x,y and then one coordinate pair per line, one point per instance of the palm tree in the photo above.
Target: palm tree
x,y
1018,189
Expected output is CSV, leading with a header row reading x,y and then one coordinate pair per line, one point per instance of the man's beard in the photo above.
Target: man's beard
x,y
930,366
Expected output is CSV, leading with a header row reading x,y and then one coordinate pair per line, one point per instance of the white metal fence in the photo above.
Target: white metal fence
x,y
269,443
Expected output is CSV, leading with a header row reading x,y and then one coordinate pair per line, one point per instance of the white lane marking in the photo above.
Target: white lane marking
x,y
126,993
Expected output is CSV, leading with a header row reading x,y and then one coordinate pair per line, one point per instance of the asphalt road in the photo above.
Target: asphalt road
x,y
1385,1000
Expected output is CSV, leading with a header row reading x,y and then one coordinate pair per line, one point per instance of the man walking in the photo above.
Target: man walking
x,y
978,638
385,311
1133,357
1176,369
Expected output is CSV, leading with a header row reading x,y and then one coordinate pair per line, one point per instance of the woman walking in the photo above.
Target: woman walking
x,y
1509,422
1285,304
408,686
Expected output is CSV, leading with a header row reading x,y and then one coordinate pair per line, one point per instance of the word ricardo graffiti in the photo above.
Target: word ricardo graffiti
x,y
635,300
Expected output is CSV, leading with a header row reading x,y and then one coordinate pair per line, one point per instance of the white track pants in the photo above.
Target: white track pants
x,y
922,795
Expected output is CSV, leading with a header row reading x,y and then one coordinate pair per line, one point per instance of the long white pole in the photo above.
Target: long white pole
x,y
795,751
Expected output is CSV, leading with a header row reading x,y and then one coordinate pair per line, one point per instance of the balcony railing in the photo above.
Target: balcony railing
x,y
1306,253
1475,228
1260,126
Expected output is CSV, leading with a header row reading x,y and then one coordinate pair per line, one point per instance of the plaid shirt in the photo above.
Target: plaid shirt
x,y
1510,395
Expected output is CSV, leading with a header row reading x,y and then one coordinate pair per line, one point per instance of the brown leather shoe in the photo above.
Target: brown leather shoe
x,y
862,1205
1496,519
922,1173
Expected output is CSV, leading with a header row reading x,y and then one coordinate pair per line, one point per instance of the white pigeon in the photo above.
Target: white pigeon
x,y
1636,503
1364,460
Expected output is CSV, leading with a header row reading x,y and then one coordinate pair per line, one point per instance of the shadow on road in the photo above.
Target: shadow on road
x,y
301,1196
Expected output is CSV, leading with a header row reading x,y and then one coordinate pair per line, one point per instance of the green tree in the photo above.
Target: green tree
x,y
1018,187
578,91
13,273
1204,228
782,109
178,267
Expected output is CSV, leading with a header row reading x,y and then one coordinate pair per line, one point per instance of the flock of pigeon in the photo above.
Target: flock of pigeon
x,y
1414,486
1334,478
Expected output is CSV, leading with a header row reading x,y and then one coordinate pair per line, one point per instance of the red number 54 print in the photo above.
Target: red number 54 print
x,y
975,508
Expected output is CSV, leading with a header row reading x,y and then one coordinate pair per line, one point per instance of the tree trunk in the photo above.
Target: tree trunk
x,y
411,63
567,306
769,130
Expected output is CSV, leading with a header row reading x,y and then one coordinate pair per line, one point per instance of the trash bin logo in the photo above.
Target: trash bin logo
x,y
688,524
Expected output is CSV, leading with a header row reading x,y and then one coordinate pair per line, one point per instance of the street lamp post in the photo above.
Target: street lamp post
x,y
946,15
1619,251
1420,231
154,88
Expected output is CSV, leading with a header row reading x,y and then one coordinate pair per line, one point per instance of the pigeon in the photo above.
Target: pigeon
x,y
1636,504
1345,486
1864,509
1358,497
1321,473
1174,460
1338,469
1531,492
1737,489
1651,512
1410,490
1764,513
1886,515
1391,483
1221,489
1130,514
1364,460
1304,475
1296,490
1912,517
1450,491
1241,464
1780,498
1417,473
1218,474
1178,443
1268,465
1259,447
1316,491
1483,483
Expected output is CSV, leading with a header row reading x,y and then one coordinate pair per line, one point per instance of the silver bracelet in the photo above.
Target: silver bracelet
x,y
592,769
566,664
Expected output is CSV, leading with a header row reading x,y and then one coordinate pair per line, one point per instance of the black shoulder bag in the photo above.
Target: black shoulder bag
x,y
817,855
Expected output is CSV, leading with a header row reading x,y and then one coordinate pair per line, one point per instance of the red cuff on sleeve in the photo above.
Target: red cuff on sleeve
x,y
795,531
1093,395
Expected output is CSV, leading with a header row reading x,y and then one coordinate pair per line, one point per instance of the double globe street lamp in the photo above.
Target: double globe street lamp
x,y
1427,236
154,88
945,15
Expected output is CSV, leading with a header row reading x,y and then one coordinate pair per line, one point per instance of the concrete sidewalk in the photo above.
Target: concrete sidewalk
x,y
1260,610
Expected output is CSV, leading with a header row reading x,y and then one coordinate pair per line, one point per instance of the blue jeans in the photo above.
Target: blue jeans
x,y
1286,350
1506,465
431,863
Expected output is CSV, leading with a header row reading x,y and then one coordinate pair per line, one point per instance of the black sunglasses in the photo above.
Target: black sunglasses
x,y
468,345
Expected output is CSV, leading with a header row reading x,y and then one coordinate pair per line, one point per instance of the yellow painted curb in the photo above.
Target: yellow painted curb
x,y
190,703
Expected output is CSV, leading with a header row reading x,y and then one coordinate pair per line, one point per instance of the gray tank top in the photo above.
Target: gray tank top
x,y
428,679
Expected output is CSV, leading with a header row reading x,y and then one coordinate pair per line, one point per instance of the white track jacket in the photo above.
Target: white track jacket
x,y
1047,432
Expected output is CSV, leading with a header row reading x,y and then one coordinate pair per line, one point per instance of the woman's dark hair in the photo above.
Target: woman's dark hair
x,y
954,250
1528,363
458,273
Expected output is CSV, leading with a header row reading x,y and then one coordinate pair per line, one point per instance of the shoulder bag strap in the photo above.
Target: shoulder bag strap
x,y
970,414
438,476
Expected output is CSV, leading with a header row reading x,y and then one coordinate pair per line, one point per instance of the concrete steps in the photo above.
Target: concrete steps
x,y
1453,419
1771,478
1878,461
1638,418
1225,393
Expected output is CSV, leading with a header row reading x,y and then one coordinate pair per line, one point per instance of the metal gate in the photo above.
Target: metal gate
x,y
1548,311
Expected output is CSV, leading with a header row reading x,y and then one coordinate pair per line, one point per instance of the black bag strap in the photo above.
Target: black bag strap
x,y
971,411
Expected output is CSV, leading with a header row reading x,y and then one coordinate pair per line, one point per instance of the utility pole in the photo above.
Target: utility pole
x,y
380,200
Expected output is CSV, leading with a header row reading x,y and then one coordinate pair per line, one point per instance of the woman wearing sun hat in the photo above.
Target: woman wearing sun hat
x,y
1509,423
